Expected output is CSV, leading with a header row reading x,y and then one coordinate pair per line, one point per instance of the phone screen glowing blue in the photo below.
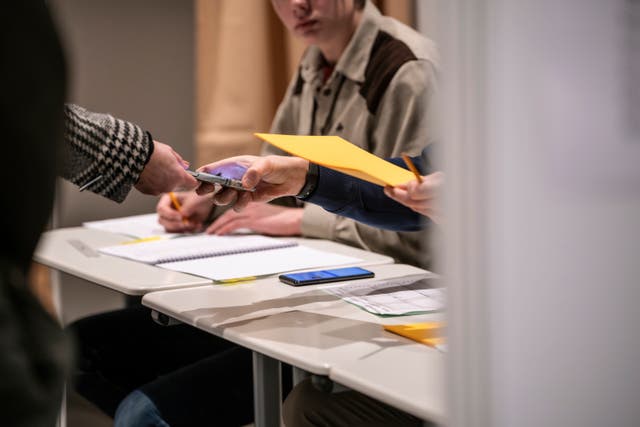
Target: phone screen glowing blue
x,y
324,276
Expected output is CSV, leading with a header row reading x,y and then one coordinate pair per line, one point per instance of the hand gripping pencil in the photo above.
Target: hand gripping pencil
x,y
412,167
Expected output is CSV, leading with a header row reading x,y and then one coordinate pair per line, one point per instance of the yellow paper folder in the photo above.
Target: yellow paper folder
x,y
429,333
341,155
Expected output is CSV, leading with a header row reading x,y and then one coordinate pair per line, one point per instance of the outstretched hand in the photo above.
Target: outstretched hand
x,y
165,172
270,177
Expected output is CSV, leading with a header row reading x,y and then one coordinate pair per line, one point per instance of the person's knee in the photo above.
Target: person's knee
x,y
137,410
303,404
82,328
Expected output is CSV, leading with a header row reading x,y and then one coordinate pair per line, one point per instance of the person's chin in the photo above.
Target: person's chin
x,y
314,38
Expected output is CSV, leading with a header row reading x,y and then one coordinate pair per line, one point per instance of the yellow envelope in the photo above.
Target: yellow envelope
x,y
341,155
429,333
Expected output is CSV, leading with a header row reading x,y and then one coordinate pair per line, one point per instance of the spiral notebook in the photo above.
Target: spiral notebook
x,y
194,247
223,258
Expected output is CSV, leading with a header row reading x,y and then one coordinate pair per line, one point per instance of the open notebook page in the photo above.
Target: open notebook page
x,y
193,247
260,263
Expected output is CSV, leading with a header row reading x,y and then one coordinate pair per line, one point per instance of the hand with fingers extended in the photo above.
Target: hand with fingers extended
x,y
164,172
270,177
261,218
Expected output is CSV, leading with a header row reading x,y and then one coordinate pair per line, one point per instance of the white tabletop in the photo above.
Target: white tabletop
x,y
74,251
410,377
313,330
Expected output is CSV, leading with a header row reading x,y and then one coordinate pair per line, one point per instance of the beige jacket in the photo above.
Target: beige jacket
x,y
378,98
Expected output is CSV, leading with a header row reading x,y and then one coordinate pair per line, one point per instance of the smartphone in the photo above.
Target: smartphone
x,y
219,179
325,276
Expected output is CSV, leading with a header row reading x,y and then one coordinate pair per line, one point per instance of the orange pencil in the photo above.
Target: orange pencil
x,y
176,204
412,167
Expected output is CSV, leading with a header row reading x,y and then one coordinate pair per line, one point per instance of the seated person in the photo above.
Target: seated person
x,y
361,72
373,86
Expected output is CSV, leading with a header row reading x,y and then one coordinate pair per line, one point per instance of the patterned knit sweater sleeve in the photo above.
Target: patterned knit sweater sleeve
x,y
104,151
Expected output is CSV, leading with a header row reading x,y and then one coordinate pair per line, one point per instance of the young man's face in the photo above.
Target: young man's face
x,y
315,21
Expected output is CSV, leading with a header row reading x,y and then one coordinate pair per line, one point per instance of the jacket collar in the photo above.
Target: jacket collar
x,y
354,59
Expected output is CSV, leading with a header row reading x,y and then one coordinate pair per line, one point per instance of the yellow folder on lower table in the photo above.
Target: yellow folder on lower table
x,y
341,155
429,333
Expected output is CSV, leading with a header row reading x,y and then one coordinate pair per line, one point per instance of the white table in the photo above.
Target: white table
x,y
74,251
315,331
410,377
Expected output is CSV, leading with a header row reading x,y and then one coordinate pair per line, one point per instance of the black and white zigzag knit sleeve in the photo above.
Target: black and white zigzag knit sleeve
x,y
100,145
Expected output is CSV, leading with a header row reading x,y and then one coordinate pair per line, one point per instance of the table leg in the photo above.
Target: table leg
x,y
299,375
57,304
62,416
163,319
267,390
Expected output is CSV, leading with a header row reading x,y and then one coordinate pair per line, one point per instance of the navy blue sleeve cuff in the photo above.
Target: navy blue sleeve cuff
x,y
363,201
334,190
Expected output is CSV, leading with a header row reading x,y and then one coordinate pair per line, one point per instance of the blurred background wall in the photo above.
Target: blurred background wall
x,y
543,230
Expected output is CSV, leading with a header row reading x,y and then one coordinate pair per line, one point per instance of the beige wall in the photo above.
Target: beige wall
x,y
134,59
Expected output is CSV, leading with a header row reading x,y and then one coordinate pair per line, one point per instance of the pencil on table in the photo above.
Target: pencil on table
x,y
176,204
412,167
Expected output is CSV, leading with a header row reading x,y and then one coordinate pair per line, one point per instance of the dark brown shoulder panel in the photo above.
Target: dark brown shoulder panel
x,y
388,54
297,89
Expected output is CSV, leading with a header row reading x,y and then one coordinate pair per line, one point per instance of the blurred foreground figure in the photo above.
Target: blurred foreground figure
x,y
41,139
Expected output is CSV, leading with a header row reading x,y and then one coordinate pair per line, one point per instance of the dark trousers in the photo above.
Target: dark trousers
x,y
308,406
193,377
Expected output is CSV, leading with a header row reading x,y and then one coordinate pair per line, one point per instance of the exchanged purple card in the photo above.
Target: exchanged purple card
x,y
229,175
